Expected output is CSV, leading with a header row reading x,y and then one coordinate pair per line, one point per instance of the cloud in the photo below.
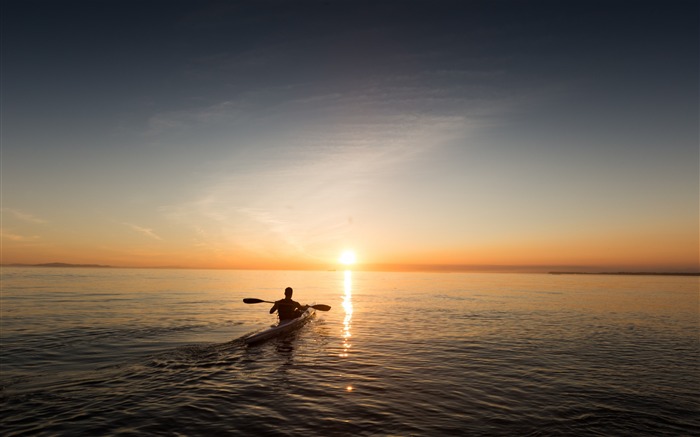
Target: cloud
x,y
197,117
293,193
24,216
16,237
145,231
293,161
260,97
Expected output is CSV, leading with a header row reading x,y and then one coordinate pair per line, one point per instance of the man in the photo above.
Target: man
x,y
287,308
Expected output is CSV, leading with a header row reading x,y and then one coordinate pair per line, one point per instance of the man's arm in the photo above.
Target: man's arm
x,y
274,308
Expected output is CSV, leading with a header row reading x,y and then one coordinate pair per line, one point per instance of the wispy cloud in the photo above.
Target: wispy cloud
x,y
16,237
274,224
144,231
420,91
24,216
173,121
296,159
296,196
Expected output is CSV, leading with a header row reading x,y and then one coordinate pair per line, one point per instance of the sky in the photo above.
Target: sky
x,y
419,134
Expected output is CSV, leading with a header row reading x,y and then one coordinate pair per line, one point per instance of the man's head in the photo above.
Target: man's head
x,y
288,292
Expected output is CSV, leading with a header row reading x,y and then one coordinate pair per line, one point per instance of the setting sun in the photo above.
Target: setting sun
x,y
347,257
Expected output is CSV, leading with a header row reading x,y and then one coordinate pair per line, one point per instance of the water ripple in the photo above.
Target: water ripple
x,y
508,360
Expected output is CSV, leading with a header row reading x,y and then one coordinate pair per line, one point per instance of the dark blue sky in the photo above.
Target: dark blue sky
x,y
175,51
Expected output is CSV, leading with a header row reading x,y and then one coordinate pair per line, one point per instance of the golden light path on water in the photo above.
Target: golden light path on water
x,y
347,321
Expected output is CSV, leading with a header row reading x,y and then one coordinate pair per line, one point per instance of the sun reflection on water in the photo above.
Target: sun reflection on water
x,y
347,306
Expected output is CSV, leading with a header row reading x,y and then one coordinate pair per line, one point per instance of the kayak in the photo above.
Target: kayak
x,y
282,328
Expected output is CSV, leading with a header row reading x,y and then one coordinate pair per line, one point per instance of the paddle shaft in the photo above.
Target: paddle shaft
x,y
319,307
253,300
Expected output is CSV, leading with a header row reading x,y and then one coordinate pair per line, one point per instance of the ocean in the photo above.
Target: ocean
x,y
92,351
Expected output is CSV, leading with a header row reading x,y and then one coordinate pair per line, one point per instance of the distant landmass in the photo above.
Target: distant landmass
x,y
59,265
627,273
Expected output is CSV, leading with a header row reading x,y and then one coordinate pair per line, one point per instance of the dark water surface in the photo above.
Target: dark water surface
x,y
159,352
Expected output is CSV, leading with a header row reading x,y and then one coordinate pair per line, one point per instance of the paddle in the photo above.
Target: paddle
x,y
319,307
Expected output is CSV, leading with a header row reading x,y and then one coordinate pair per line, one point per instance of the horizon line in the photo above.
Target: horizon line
x,y
389,267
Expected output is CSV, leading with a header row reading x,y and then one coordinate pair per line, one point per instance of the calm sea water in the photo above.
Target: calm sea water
x,y
159,352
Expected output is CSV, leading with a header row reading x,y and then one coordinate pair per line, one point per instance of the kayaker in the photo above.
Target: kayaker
x,y
287,308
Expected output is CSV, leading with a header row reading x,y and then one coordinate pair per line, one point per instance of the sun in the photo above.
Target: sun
x,y
347,257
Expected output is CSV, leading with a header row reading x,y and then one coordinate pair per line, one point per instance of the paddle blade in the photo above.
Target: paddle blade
x,y
252,300
321,307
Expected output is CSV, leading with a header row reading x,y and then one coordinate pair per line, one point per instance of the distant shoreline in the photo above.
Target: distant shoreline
x,y
89,266
626,273
60,265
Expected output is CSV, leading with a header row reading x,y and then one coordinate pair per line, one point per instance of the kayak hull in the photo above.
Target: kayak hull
x,y
280,329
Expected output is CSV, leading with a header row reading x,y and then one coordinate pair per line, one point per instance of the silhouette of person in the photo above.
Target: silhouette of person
x,y
287,308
